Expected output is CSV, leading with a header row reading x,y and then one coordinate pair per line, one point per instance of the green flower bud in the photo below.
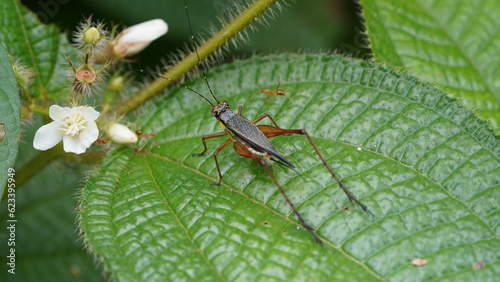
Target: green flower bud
x,y
92,35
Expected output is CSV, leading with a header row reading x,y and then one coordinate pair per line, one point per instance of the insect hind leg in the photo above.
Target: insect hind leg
x,y
263,117
243,151
271,131
302,221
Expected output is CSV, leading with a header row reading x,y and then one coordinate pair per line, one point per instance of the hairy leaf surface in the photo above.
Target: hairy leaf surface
x,y
427,168
455,46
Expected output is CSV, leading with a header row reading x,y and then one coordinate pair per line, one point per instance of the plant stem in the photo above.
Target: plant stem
x,y
38,109
35,165
189,62
43,159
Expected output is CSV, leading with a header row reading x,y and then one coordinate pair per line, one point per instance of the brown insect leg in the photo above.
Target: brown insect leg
x,y
222,146
220,134
263,117
271,131
259,118
277,92
273,92
242,151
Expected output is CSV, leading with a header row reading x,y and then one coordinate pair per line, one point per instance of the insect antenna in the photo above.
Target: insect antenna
x,y
196,51
190,89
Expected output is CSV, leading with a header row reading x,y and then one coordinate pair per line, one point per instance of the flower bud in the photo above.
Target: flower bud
x,y
134,39
85,76
24,75
91,35
121,134
117,83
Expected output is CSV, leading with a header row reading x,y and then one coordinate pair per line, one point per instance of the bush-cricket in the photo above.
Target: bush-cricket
x,y
251,141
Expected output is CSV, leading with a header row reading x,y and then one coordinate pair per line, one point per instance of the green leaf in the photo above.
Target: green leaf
x,y
47,245
10,119
41,48
427,168
454,45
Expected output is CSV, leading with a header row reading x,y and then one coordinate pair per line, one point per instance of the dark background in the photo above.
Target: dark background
x,y
307,25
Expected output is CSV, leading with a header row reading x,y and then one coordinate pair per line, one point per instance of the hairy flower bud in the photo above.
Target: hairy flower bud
x,y
85,76
90,37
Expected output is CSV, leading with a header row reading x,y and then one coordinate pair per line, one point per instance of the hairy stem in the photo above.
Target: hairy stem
x,y
189,62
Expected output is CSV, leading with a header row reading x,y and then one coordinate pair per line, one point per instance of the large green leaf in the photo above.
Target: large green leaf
x,y
427,168
455,45
41,48
10,119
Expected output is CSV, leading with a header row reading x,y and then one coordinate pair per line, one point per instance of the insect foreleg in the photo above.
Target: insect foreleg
x,y
222,146
219,134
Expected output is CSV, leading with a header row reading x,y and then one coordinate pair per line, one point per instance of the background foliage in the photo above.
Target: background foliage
x,y
457,48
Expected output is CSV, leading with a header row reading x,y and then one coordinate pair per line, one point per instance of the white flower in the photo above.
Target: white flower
x,y
76,127
134,39
121,134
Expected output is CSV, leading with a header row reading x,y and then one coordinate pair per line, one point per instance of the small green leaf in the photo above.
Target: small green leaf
x,y
41,48
427,168
453,45
10,119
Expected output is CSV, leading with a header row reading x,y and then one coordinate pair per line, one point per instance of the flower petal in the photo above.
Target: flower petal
x,y
47,136
144,32
134,39
89,134
89,113
60,113
121,134
72,144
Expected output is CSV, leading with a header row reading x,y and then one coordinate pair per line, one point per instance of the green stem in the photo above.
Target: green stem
x,y
43,159
189,62
35,165
38,109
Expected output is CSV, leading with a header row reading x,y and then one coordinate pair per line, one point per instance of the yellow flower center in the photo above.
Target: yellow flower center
x,y
73,124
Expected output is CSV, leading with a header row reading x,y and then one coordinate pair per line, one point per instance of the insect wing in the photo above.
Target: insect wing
x,y
245,130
